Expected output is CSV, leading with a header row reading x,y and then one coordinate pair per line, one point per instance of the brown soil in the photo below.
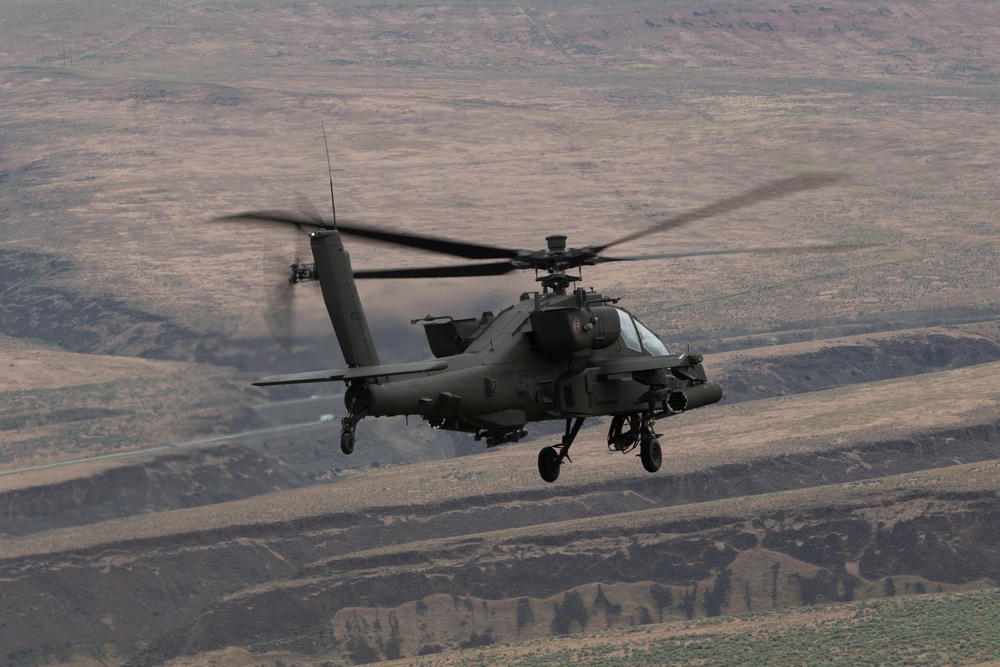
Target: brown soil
x,y
858,442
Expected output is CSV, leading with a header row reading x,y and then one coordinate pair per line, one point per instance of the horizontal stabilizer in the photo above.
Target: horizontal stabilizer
x,y
356,373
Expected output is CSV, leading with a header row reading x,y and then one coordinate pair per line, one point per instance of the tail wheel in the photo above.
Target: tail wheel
x,y
347,442
548,464
650,454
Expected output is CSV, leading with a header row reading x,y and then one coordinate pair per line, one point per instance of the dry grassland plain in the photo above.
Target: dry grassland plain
x,y
127,127
129,320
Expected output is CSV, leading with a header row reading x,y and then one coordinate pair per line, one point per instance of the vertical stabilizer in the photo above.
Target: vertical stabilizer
x,y
336,278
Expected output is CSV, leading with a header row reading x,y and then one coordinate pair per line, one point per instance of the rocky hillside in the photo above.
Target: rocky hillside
x,y
403,560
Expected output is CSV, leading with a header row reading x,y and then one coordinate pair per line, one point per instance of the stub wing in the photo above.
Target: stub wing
x,y
639,364
356,373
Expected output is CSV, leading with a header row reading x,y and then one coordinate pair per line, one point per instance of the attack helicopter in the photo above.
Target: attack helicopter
x,y
560,353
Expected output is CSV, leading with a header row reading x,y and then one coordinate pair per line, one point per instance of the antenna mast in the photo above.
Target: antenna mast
x,y
329,169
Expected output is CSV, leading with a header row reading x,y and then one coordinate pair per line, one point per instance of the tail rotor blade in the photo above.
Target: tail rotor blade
x,y
280,312
280,315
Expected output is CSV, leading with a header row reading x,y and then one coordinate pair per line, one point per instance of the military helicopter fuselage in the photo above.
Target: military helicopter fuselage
x,y
556,354
559,353
550,356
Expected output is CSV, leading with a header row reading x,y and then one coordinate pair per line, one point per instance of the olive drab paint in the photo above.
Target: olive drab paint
x,y
343,303
559,353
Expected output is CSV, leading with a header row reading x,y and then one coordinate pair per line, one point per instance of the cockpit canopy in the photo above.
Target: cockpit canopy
x,y
638,337
570,330
560,331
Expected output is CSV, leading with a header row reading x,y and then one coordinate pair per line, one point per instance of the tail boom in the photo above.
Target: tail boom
x,y
340,293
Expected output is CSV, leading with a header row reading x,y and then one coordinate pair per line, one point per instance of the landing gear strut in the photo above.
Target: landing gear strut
x,y
550,458
630,431
356,400
348,424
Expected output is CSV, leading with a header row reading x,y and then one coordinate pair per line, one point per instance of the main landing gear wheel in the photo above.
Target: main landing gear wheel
x,y
347,442
548,464
650,454
550,458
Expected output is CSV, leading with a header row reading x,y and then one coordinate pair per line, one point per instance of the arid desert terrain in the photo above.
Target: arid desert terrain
x,y
838,507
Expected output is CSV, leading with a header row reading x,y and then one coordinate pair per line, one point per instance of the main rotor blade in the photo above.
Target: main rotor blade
x,y
431,243
773,190
300,220
458,271
308,209
788,250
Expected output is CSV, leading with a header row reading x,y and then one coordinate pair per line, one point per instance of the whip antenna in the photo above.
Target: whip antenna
x,y
329,169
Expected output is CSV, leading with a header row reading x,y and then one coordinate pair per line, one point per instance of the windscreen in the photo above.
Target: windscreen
x,y
629,334
651,341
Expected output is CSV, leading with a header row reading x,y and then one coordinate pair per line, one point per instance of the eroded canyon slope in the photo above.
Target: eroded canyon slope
x,y
822,497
